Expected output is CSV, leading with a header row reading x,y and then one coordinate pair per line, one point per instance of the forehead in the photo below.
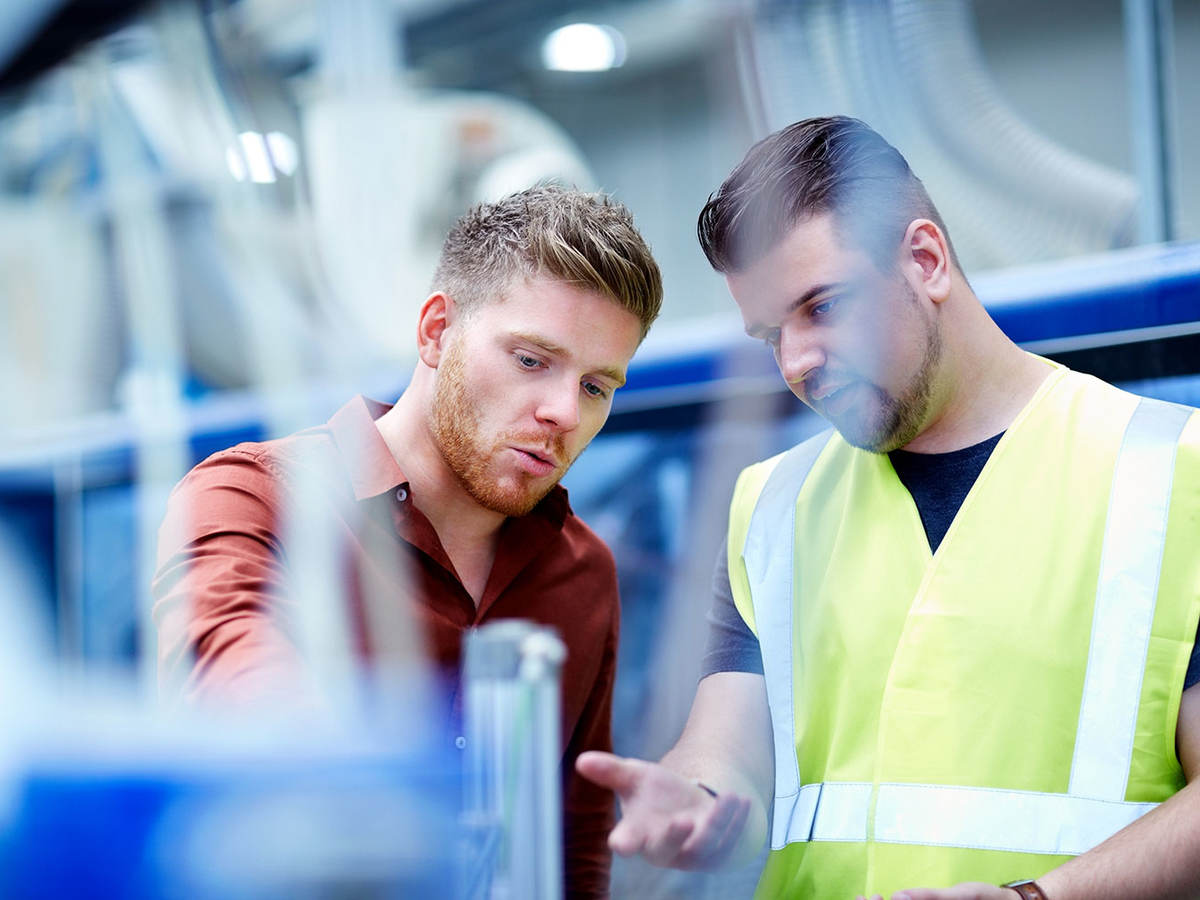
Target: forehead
x,y
811,254
580,321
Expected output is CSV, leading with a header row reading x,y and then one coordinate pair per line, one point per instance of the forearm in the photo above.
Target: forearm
x,y
1155,858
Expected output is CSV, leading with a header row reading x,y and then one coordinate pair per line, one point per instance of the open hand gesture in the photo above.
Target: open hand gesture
x,y
668,819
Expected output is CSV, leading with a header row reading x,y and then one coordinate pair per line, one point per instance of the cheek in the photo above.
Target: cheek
x,y
592,422
883,344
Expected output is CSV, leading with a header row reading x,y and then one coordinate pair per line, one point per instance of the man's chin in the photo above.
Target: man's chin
x,y
870,444
878,440
513,501
854,431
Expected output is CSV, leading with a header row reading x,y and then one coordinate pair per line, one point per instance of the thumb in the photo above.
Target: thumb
x,y
608,770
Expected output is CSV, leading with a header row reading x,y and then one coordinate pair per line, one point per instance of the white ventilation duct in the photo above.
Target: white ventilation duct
x,y
913,70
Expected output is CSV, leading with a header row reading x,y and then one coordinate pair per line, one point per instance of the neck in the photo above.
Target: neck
x,y
468,532
984,382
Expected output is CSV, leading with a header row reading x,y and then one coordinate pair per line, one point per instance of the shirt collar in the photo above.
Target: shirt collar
x,y
372,468
374,471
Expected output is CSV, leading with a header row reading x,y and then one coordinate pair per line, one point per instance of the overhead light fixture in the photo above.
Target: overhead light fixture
x,y
260,156
583,47
283,152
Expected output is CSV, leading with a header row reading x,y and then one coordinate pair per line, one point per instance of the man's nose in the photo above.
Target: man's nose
x,y
559,406
799,353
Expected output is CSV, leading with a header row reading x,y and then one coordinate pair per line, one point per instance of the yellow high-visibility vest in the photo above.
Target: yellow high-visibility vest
x,y
988,711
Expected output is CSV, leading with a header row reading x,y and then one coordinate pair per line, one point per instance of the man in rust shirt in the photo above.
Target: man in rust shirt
x,y
445,508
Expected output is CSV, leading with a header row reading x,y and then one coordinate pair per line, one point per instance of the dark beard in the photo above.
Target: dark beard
x,y
900,419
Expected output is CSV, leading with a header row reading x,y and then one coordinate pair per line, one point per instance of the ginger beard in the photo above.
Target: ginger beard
x,y
468,453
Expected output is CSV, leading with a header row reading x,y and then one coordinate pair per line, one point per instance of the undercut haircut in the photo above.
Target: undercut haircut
x,y
835,165
583,239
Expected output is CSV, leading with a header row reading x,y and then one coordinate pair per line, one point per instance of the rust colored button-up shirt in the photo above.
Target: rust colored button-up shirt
x,y
225,618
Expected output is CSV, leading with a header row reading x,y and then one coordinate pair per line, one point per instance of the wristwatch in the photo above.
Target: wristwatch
x,y
1027,888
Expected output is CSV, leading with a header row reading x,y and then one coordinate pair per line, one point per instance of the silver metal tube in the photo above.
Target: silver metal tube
x,y
511,716
1148,32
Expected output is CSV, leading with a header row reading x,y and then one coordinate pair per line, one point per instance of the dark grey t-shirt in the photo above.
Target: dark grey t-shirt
x,y
938,482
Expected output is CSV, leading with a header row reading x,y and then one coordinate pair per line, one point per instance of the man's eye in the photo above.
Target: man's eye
x,y
824,308
528,362
594,390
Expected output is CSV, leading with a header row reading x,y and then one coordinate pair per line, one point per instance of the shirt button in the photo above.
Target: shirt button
x,y
401,494
460,742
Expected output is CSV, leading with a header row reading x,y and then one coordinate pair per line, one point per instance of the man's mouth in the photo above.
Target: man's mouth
x,y
537,462
830,399
825,390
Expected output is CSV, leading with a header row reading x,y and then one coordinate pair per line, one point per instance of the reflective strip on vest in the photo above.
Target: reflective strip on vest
x,y
984,818
937,815
777,508
1130,562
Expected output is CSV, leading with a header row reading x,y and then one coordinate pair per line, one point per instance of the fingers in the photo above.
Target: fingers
x,y
608,770
667,819
687,841
716,834
627,839
659,847
970,890
663,849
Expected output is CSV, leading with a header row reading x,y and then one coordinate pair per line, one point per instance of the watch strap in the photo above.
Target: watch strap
x,y
1028,889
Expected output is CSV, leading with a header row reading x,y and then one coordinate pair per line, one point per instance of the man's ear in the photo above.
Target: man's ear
x,y
927,254
433,322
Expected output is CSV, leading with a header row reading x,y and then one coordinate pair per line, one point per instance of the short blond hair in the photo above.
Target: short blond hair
x,y
581,238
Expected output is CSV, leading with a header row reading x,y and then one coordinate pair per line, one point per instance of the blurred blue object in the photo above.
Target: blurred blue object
x,y
372,826
1139,288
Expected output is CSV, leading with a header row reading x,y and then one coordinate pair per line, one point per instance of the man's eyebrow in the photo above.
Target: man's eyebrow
x,y
544,342
758,329
614,375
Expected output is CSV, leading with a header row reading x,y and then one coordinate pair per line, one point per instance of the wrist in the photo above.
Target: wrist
x,y
1026,889
704,787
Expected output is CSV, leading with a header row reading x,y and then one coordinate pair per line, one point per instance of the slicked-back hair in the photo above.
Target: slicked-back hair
x,y
834,164
584,239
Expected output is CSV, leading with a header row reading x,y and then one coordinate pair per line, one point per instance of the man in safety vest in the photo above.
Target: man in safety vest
x,y
970,609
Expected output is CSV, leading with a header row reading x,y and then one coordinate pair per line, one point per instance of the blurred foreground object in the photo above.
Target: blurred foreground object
x,y
160,245
111,806
511,675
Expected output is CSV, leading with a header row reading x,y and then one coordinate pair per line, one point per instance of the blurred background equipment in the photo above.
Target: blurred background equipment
x,y
219,217
1013,194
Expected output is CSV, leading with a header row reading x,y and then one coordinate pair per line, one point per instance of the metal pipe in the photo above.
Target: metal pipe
x,y
511,716
1148,33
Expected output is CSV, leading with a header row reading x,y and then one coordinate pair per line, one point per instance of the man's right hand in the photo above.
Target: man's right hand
x,y
666,818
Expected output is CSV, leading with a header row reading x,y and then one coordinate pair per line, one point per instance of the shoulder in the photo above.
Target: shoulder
x,y
1101,391
261,467
753,478
750,480
1176,419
